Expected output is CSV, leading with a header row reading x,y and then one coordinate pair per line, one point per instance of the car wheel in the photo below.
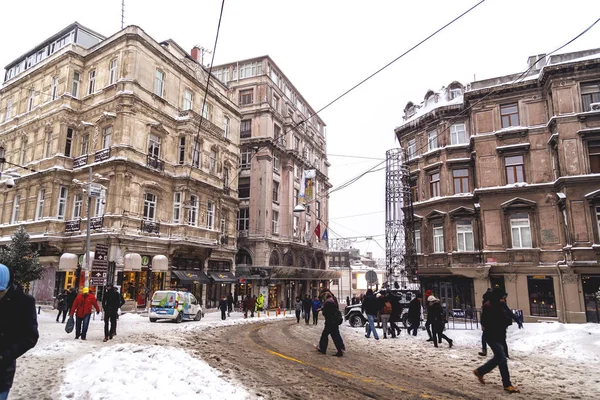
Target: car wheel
x,y
153,319
198,316
356,321
179,317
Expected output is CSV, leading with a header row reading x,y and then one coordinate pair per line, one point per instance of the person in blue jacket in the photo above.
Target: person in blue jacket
x,y
316,307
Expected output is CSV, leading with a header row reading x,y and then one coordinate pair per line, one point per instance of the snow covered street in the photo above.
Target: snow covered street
x,y
213,359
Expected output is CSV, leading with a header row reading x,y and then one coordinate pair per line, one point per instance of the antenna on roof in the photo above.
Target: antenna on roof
x,y
122,14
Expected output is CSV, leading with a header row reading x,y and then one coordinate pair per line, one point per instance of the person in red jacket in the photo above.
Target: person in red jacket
x,y
82,308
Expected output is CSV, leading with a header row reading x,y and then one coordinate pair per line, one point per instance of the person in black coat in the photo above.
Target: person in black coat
x,y
371,306
414,315
229,304
62,306
71,296
486,298
18,327
395,316
331,313
438,320
306,307
110,304
223,307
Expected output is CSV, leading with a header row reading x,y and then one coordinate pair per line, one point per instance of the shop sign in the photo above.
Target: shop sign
x,y
539,277
145,261
100,266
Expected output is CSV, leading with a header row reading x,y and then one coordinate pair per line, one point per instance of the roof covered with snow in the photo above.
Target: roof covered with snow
x,y
451,96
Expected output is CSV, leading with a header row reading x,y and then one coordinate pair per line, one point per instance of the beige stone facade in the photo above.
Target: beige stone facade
x,y
276,147
128,107
505,177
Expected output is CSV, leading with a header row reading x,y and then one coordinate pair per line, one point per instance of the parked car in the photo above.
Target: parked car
x,y
356,318
174,305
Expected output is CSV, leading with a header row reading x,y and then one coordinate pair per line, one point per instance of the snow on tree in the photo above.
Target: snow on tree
x,y
20,259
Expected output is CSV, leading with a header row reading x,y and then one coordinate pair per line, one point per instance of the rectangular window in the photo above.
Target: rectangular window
x,y
541,295
149,206
515,171
432,140
411,150
39,210
414,188
181,159
30,99
107,137
112,71
458,134
296,222
296,172
438,238
244,188
177,207
15,211
509,114
590,93
206,111
276,132
245,159
75,87
77,205
68,142
296,143
223,226
63,192
225,177
464,236
245,128
418,241
520,231
275,227
187,100
210,215
196,151
100,203
85,144
318,209
246,97
92,81
275,164
243,219
461,180
159,83
226,126
193,211
296,196
434,184
54,94
594,154
275,192
213,161
276,103
9,107
154,146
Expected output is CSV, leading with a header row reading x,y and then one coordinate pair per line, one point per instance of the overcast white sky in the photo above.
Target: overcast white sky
x,y
325,47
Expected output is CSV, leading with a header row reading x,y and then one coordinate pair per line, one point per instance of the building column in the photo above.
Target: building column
x,y
573,299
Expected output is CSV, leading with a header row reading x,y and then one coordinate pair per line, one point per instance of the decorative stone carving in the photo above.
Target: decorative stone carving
x,y
510,277
570,278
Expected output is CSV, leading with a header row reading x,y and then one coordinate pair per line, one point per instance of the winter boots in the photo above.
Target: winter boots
x,y
512,389
479,376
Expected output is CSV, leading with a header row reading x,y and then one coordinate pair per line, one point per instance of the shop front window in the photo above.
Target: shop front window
x,y
134,287
541,296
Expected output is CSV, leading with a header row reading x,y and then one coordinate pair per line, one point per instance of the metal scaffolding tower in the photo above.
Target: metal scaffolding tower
x,y
401,262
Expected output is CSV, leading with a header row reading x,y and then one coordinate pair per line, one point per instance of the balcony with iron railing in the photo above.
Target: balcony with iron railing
x,y
155,162
151,227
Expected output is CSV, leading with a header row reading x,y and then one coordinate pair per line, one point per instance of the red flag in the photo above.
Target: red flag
x,y
318,231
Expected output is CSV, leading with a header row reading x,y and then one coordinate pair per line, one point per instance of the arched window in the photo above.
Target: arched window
x,y
243,257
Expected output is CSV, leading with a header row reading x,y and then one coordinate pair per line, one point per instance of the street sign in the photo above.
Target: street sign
x,y
371,277
99,272
95,190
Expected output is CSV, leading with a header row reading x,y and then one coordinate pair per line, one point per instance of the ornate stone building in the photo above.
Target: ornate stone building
x,y
505,176
129,108
286,256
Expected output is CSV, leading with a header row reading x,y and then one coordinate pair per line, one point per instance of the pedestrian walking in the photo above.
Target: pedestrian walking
x,y
511,317
62,306
229,304
428,293
438,321
71,296
395,316
323,296
370,306
306,307
260,302
386,312
414,315
18,327
223,306
494,322
111,302
316,307
246,305
347,300
82,309
485,299
298,309
252,305
333,319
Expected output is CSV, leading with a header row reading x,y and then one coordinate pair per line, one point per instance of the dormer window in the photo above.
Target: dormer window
x,y
454,93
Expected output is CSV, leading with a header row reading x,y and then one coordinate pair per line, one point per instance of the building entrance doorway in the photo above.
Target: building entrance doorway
x,y
591,297
446,297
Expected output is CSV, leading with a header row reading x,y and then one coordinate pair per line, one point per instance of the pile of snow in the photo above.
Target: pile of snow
x,y
129,371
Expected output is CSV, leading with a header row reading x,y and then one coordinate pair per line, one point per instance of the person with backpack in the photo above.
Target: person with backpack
x,y
316,307
62,305
414,315
333,320
438,320
386,312
370,306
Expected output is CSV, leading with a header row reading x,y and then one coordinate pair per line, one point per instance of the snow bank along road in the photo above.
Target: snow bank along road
x,y
274,358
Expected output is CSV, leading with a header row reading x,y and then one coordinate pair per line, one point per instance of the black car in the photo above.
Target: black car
x,y
356,318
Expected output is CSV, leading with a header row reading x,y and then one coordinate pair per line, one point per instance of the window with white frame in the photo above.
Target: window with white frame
x,y
30,99
188,98
63,193
39,210
54,93
85,144
210,215
92,81
458,134
9,107
318,209
275,227
520,231
149,207
107,137
438,238
243,219
112,71
245,159
275,192
296,222
193,211
223,226
177,207
464,236
454,93
75,87
181,156
159,83
154,146
432,140
226,126
69,142
196,151
100,202
275,103
296,196
244,188
16,207
206,111
418,241
296,171
411,149
213,161
77,205
275,163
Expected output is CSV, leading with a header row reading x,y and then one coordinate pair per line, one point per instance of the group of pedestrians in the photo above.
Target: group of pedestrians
x,y
252,304
387,308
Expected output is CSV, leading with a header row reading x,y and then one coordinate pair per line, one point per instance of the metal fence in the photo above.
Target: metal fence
x,y
463,319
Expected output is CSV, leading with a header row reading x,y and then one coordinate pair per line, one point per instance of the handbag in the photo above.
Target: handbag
x,y
70,325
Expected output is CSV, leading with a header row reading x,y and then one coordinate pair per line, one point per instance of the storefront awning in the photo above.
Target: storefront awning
x,y
285,273
191,277
132,262
222,277
68,262
160,263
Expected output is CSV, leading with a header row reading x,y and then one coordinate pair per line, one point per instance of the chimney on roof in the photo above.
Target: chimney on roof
x,y
541,61
197,54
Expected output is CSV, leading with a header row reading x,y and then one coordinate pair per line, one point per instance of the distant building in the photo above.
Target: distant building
x,y
353,268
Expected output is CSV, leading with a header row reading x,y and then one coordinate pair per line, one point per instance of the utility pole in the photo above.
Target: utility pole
x,y
87,244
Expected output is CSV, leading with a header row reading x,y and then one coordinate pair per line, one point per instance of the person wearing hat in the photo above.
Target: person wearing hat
x,y
18,327
110,304
428,321
438,320
494,322
82,309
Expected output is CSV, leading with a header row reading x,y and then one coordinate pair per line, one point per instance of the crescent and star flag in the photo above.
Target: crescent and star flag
x,y
318,231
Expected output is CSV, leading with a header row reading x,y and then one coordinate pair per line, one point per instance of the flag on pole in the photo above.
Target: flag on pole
x,y
325,237
318,231
307,182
